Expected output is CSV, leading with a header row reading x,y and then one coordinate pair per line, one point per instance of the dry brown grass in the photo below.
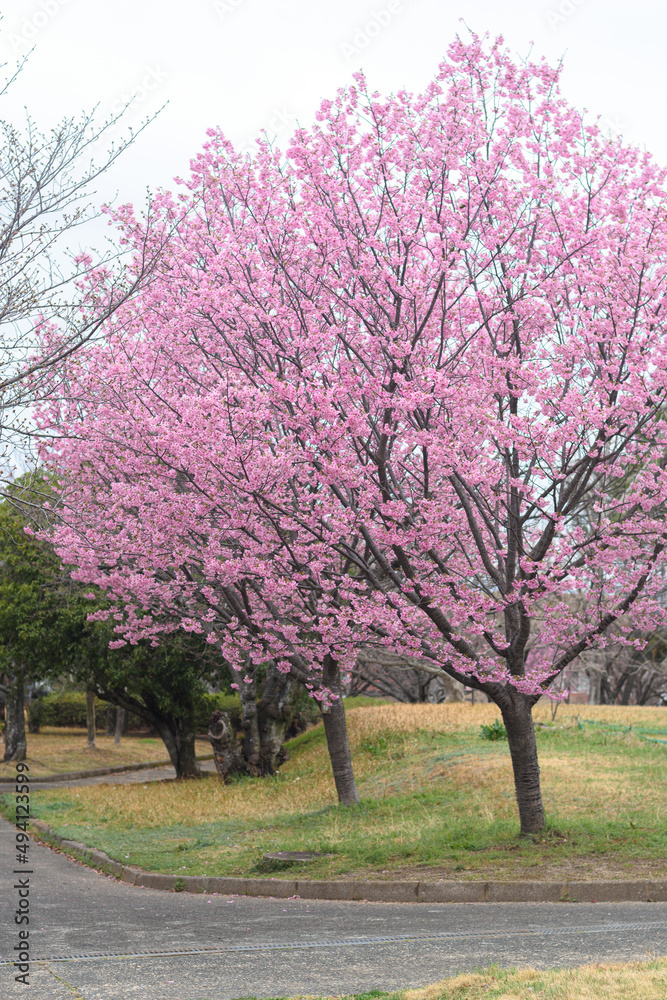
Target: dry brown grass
x,y
57,750
622,981
304,785
458,716
209,800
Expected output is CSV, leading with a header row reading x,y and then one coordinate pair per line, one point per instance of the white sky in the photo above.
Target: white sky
x,y
245,65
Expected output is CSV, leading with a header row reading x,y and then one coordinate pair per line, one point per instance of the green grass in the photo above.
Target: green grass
x,y
437,800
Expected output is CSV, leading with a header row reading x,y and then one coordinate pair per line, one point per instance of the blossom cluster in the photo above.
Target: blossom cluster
x,y
402,386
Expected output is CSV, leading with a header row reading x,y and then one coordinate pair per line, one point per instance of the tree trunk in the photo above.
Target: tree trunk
x,y
90,719
179,738
517,716
594,687
176,732
274,712
605,691
121,719
109,720
15,741
265,723
250,723
626,690
338,745
35,708
454,689
226,750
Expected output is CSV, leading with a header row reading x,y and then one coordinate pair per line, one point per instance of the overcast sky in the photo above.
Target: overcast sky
x,y
247,65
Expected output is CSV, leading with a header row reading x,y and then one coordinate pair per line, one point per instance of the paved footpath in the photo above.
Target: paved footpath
x,y
93,938
139,777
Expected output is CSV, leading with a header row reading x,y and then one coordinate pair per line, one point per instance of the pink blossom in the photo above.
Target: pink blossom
x,y
400,388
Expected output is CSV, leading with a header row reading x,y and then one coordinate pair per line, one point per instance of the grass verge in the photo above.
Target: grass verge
x,y
58,750
437,801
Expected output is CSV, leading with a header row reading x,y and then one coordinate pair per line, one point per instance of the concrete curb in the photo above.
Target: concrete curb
x,y
621,891
99,771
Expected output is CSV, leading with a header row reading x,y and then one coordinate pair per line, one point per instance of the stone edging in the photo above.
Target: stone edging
x,y
98,771
641,890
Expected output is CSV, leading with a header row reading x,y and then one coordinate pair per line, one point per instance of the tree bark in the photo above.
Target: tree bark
x,y
179,739
90,718
274,712
453,689
250,724
15,739
176,732
226,750
516,709
594,686
626,690
34,706
264,722
335,729
109,720
121,719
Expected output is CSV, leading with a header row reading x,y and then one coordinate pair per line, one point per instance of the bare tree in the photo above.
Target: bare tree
x,y
45,192
618,673
622,675
405,678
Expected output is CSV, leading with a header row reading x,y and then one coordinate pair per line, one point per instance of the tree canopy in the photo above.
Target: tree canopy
x,y
400,388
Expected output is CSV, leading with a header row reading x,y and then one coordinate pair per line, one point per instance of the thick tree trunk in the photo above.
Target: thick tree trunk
x,y
226,749
265,721
121,719
176,732
605,691
517,716
594,686
626,690
274,712
250,724
338,745
179,738
15,741
90,718
453,688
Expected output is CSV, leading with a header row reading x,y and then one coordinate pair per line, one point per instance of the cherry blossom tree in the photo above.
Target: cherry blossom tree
x,y
401,388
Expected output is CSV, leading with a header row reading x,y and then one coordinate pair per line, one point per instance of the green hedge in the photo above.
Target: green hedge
x,y
69,710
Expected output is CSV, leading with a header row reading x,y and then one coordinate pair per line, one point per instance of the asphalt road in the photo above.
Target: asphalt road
x,y
97,939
